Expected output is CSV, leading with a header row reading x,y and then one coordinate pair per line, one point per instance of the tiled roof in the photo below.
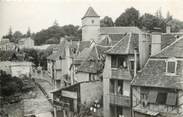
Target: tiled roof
x,y
90,67
119,30
83,55
90,59
175,49
90,13
167,39
154,75
59,53
126,45
104,40
84,44
116,37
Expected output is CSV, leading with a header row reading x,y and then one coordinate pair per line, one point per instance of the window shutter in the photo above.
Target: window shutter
x,y
171,99
152,96
171,67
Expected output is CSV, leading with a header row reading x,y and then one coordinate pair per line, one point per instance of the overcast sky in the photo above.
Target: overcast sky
x,y
40,14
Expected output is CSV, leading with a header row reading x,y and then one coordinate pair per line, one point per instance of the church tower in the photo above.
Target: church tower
x,y
90,25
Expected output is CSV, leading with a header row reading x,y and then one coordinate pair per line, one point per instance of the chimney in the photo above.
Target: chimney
x,y
168,29
135,62
155,43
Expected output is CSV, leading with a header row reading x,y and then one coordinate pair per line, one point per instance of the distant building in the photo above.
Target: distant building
x,y
20,69
26,43
59,62
6,45
157,89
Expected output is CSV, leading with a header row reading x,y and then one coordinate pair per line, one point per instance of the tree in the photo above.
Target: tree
x,y
129,18
149,22
28,34
53,34
9,85
175,24
17,35
106,22
10,34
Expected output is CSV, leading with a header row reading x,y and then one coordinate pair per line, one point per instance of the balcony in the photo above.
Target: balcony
x,y
120,100
123,74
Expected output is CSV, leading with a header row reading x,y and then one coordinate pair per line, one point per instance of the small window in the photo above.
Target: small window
x,y
132,65
171,66
91,77
112,86
92,21
120,87
161,98
114,62
119,111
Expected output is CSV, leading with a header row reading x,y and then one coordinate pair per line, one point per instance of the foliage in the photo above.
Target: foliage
x,y
17,35
28,34
106,22
38,57
149,22
6,55
129,18
175,24
52,34
9,85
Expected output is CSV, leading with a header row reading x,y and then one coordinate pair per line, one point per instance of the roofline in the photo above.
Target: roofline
x,y
78,83
115,44
168,46
88,16
156,87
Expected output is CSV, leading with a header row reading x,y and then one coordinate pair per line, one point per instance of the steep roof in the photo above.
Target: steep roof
x,y
83,54
90,66
60,53
116,37
93,59
175,49
167,39
90,13
125,46
84,44
154,75
119,30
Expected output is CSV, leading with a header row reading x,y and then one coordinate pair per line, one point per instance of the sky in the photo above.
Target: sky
x,y
40,14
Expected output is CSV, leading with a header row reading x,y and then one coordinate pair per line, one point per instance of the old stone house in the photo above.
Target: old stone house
x,y
157,90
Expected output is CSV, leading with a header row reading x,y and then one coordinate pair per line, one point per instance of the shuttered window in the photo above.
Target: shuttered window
x,y
171,67
161,98
152,96
171,99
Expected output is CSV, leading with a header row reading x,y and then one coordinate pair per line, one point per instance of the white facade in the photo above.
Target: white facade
x,y
21,68
90,28
26,43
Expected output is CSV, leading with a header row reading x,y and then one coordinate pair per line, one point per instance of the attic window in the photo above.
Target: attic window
x,y
171,66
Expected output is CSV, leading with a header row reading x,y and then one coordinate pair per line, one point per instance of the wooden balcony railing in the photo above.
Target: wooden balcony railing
x,y
120,100
123,74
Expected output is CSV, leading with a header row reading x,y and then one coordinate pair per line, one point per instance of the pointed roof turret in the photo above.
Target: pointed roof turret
x,y
90,13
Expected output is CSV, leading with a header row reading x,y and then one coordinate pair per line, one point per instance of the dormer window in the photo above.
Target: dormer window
x,y
171,66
